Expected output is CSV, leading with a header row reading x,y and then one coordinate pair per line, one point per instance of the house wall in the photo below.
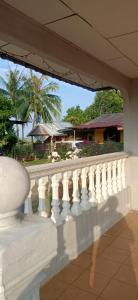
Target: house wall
x,y
121,136
99,135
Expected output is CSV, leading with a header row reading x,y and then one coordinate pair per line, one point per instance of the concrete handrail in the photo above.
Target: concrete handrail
x,y
68,165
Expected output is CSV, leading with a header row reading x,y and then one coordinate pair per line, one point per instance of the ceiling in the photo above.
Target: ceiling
x,y
106,30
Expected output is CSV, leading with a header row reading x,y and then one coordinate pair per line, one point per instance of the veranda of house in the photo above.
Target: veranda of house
x,y
93,44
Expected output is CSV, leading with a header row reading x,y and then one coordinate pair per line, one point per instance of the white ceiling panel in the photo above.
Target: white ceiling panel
x,y
124,66
81,34
49,65
43,11
12,49
128,45
109,17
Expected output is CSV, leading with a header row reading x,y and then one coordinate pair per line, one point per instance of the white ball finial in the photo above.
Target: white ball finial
x,y
14,188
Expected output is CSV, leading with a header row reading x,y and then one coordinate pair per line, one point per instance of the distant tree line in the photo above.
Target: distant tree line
x,y
108,101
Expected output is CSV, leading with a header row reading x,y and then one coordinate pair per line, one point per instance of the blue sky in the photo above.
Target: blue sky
x,y
70,95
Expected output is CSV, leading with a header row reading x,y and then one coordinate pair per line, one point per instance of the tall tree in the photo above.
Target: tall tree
x,y
39,102
7,135
109,101
75,115
12,86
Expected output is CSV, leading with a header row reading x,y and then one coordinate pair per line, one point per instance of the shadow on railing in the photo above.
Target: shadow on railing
x,y
84,198
65,189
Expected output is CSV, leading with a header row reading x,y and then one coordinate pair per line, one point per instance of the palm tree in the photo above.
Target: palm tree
x,y
12,87
38,102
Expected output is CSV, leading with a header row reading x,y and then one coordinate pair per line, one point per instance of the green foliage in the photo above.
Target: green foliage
x,y
39,101
109,101
97,149
62,151
41,154
75,115
7,134
105,102
11,87
23,151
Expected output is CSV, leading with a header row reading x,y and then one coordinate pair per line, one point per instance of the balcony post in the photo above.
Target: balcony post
x,y
28,202
42,196
56,216
85,205
24,249
104,182
76,209
66,211
114,177
109,178
92,194
98,183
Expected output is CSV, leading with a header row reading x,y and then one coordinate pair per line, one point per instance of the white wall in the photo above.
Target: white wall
x,y
131,120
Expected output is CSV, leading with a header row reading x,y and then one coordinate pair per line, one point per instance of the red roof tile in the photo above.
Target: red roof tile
x,y
106,120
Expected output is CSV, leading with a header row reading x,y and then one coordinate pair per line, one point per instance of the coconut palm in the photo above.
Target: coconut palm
x,y
12,86
38,102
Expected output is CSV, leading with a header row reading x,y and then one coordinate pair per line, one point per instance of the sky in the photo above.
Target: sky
x,y
70,95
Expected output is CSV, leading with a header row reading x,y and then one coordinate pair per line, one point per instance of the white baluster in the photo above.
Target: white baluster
x,y
98,183
123,174
85,205
109,178
56,216
119,179
104,182
92,193
76,209
66,212
42,196
28,202
114,178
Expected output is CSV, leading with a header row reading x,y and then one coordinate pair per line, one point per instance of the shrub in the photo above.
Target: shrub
x,y
62,151
96,149
22,151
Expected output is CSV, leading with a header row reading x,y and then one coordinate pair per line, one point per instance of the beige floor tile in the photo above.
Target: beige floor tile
x,y
116,255
90,282
70,273
104,266
52,289
76,294
120,291
125,244
128,275
130,234
84,260
107,270
117,228
132,260
131,217
99,246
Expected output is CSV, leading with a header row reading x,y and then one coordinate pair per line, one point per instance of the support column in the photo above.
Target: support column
x,y
131,120
131,141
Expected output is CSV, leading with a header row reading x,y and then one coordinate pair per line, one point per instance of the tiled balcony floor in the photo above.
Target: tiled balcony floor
x,y
108,270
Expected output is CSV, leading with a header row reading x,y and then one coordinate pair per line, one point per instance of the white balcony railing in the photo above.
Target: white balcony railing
x,y
74,186
84,196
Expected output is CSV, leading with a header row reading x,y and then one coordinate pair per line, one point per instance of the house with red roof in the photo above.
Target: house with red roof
x,y
104,128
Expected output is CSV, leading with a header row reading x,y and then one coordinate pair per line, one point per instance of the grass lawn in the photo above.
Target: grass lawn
x,y
35,162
